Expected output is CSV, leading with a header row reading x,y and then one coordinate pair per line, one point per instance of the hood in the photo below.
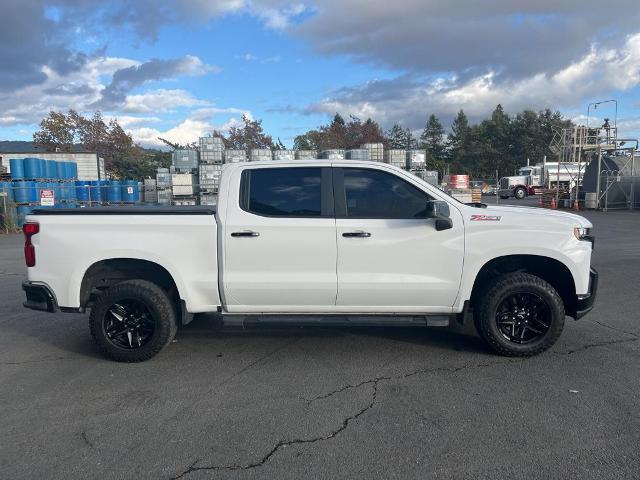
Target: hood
x,y
571,218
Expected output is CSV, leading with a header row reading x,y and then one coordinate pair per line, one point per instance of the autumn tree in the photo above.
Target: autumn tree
x,y
248,136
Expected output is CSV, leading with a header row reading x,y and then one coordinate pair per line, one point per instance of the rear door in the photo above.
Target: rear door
x,y
390,257
279,241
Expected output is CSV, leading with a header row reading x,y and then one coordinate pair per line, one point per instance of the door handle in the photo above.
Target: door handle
x,y
356,234
246,233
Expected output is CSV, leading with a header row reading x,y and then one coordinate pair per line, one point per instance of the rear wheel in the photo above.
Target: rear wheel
x,y
519,315
133,321
520,193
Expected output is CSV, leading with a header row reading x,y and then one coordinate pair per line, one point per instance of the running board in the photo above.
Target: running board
x,y
338,320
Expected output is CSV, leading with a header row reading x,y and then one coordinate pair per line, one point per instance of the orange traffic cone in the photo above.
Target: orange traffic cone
x,y
554,206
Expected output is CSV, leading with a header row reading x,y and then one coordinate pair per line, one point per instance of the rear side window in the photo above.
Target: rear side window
x,y
376,194
282,192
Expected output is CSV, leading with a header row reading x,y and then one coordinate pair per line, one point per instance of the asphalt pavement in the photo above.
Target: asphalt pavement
x,y
334,403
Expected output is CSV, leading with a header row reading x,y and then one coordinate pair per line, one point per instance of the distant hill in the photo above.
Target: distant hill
x,y
19,146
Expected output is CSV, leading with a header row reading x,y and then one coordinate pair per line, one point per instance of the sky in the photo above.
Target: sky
x,y
178,69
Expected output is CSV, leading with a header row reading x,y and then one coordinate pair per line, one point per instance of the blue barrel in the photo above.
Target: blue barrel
x,y
61,170
114,191
7,187
97,194
17,168
23,211
130,191
71,191
43,168
25,192
52,169
82,191
71,169
32,168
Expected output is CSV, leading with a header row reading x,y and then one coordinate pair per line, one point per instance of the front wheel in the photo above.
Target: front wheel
x,y
520,193
519,315
133,320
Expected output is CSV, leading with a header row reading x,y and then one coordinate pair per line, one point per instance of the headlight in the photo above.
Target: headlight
x,y
582,233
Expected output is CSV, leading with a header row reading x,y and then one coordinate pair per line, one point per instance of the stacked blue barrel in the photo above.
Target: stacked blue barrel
x,y
36,182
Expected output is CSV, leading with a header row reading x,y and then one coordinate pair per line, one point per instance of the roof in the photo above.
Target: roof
x,y
18,146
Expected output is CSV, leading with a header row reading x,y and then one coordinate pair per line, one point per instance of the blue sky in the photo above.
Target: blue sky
x,y
180,68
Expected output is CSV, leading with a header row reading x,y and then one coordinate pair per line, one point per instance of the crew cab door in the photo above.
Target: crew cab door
x,y
390,257
279,241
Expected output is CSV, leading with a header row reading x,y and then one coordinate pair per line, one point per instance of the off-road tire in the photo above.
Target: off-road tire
x,y
159,305
485,313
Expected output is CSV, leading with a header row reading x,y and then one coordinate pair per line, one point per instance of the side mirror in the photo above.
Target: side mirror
x,y
440,211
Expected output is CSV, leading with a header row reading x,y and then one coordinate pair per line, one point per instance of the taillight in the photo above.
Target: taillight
x,y
29,230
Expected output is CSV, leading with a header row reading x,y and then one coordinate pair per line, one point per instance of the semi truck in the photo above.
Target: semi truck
x,y
319,242
542,175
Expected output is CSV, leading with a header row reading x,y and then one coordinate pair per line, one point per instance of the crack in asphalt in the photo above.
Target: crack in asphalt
x,y
374,383
41,360
286,443
88,442
616,329
588,346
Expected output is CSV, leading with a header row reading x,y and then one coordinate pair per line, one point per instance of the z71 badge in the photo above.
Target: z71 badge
x,y
485,218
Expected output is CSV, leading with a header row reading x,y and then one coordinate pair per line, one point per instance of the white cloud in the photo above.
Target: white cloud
x,y
407,99
159,101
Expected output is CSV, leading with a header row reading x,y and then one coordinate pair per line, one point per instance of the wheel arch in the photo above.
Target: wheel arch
x,y
549,269
105,273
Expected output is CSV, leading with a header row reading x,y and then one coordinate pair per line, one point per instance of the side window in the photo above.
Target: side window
x,y
282,192
377,194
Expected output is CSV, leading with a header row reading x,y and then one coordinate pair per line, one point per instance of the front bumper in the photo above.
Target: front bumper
x,y
584,303
39,297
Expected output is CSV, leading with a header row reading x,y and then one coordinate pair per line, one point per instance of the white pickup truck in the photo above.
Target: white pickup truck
x,y
320,241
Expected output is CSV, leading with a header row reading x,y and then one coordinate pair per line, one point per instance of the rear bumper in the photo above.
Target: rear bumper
x,y
39,297
584,303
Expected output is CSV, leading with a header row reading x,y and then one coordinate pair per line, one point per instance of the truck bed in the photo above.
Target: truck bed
x,y
177,210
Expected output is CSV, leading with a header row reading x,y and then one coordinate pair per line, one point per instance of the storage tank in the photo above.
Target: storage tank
x,y
306,154
25,191
332,154
130,191
260,155
235,156
284,155
357,154
376,151
32,168
396,157
17,168
185,160
114,191
416,160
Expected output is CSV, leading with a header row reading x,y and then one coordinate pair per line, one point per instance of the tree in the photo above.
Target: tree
x,y
397,137
459,141
57,132
248,136
432,140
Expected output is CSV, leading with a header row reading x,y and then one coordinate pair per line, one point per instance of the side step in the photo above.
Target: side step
x,y
338,320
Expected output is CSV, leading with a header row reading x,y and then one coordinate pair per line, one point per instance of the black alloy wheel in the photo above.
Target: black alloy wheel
x,y
128,324
523,317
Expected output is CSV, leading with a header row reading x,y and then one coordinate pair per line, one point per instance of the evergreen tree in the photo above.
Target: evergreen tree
x,y
397,137
432,140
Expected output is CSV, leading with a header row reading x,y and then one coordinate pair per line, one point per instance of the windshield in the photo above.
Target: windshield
x,y
524,172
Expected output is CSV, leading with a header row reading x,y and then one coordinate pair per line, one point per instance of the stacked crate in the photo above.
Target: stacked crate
x,y
235,156
333,154
260,155
416,160
211,150
209,179
150,190
163,186
284,155
184,186
357,154
396,157
306,154
185,161
376,151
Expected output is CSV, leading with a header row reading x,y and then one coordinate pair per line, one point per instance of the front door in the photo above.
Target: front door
x,y
390,257
279,245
